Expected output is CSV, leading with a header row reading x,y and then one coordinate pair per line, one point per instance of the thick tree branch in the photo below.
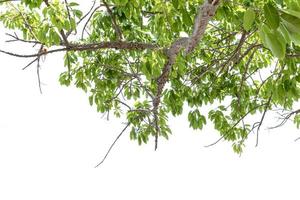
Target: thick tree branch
x,y
206,11
91,47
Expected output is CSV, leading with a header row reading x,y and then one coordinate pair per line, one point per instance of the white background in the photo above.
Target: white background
x,y
50,143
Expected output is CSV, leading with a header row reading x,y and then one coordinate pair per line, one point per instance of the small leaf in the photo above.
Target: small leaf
x,y
91,99
249,17
186,18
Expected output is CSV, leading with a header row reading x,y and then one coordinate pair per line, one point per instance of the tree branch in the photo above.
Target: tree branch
x,y
91,47
206,11
112,145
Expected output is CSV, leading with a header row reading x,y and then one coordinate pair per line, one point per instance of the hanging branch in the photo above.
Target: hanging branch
x,y
262,119
112,145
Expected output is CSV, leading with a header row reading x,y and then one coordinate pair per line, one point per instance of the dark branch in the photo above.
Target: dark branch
x,y
112,145
91,47
262,119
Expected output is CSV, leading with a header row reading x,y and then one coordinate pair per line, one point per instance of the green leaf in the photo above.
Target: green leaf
x,y
271,15
91,99
292,12
175,3
295,37
295,4
186,18
249,17
262,31
285,33
73,4
292,23
275,45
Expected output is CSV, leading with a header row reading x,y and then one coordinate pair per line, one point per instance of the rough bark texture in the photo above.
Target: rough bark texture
x,y
205,13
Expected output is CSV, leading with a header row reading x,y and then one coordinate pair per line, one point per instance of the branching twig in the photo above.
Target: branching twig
x,y
16,38
285,118
82,18
88,20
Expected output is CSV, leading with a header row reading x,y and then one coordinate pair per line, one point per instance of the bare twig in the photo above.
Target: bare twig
x,y
92,7
30,63
16,38
88,20
112,145
262,118
285,118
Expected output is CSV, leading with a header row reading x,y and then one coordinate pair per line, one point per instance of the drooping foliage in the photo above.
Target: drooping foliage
x,y
132,58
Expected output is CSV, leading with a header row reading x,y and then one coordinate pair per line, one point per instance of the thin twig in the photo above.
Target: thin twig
x,y
30,63
92,7
112,145
87,21
262,119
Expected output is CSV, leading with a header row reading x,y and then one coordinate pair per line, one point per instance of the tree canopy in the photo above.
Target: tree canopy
x,y
148,59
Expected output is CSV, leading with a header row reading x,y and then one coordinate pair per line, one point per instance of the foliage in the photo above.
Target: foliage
x,y
246,62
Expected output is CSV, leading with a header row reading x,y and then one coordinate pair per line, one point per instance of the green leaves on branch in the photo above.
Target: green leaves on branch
x,y
33,3
282,27
273,40
197,121
231,72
